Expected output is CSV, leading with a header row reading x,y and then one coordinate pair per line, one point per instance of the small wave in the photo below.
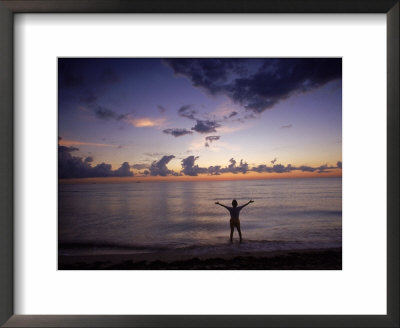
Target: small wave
x,y
109,245
201,248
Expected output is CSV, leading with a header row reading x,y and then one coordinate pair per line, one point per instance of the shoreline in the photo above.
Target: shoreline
x,y
294,259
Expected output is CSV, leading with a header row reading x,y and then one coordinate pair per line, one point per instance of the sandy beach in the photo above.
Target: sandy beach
x,y
308,259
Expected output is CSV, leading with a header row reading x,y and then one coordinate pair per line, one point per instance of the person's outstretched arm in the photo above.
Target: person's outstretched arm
x,y
249,202
218,203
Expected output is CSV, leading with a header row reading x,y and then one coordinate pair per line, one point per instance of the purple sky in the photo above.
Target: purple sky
x,y
183,116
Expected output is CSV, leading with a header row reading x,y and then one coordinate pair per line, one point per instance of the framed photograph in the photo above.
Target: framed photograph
x,y
161,163
157,211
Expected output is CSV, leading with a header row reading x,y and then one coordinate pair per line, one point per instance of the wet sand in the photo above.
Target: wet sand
x,y
310,259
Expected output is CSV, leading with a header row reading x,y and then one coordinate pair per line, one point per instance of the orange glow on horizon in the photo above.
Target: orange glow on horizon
x,y
203,177
69,143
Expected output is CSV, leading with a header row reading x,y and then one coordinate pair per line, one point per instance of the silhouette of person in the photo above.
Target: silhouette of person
x,y
234,211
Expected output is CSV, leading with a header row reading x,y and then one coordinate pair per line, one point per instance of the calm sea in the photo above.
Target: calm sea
x,y
151,217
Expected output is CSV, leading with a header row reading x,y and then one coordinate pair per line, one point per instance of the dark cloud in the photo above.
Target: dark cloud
x,y
324,168
140,166
64,149
122,117
105,113
192,169
177,132
232,114
76,167
270,80
210,74
162,109
89,159
243,167
233,163
100,170
187,111
305,168
277,168
286,126
124,170
160,167
214,170
210,139
202,126
205,126
261,168
188,167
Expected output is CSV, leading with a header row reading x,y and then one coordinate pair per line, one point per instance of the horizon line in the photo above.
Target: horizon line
x,y
140,179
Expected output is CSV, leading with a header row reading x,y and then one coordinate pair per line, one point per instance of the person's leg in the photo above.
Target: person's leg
x,y
232,227
240,232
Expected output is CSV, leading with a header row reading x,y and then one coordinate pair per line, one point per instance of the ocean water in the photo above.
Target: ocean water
x,y
154,217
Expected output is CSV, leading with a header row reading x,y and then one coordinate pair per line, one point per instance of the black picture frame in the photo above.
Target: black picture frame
x,y
10,7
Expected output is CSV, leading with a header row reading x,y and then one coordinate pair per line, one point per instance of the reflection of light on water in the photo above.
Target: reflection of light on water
x,y
181,214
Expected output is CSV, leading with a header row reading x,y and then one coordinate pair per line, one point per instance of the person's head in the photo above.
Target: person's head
x,y
234,203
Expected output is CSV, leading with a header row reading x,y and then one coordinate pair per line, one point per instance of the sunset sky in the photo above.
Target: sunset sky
x,y
199,118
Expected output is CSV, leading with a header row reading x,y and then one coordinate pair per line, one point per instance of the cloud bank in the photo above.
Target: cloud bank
x,y
70,166
160,167
190,168
257,85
